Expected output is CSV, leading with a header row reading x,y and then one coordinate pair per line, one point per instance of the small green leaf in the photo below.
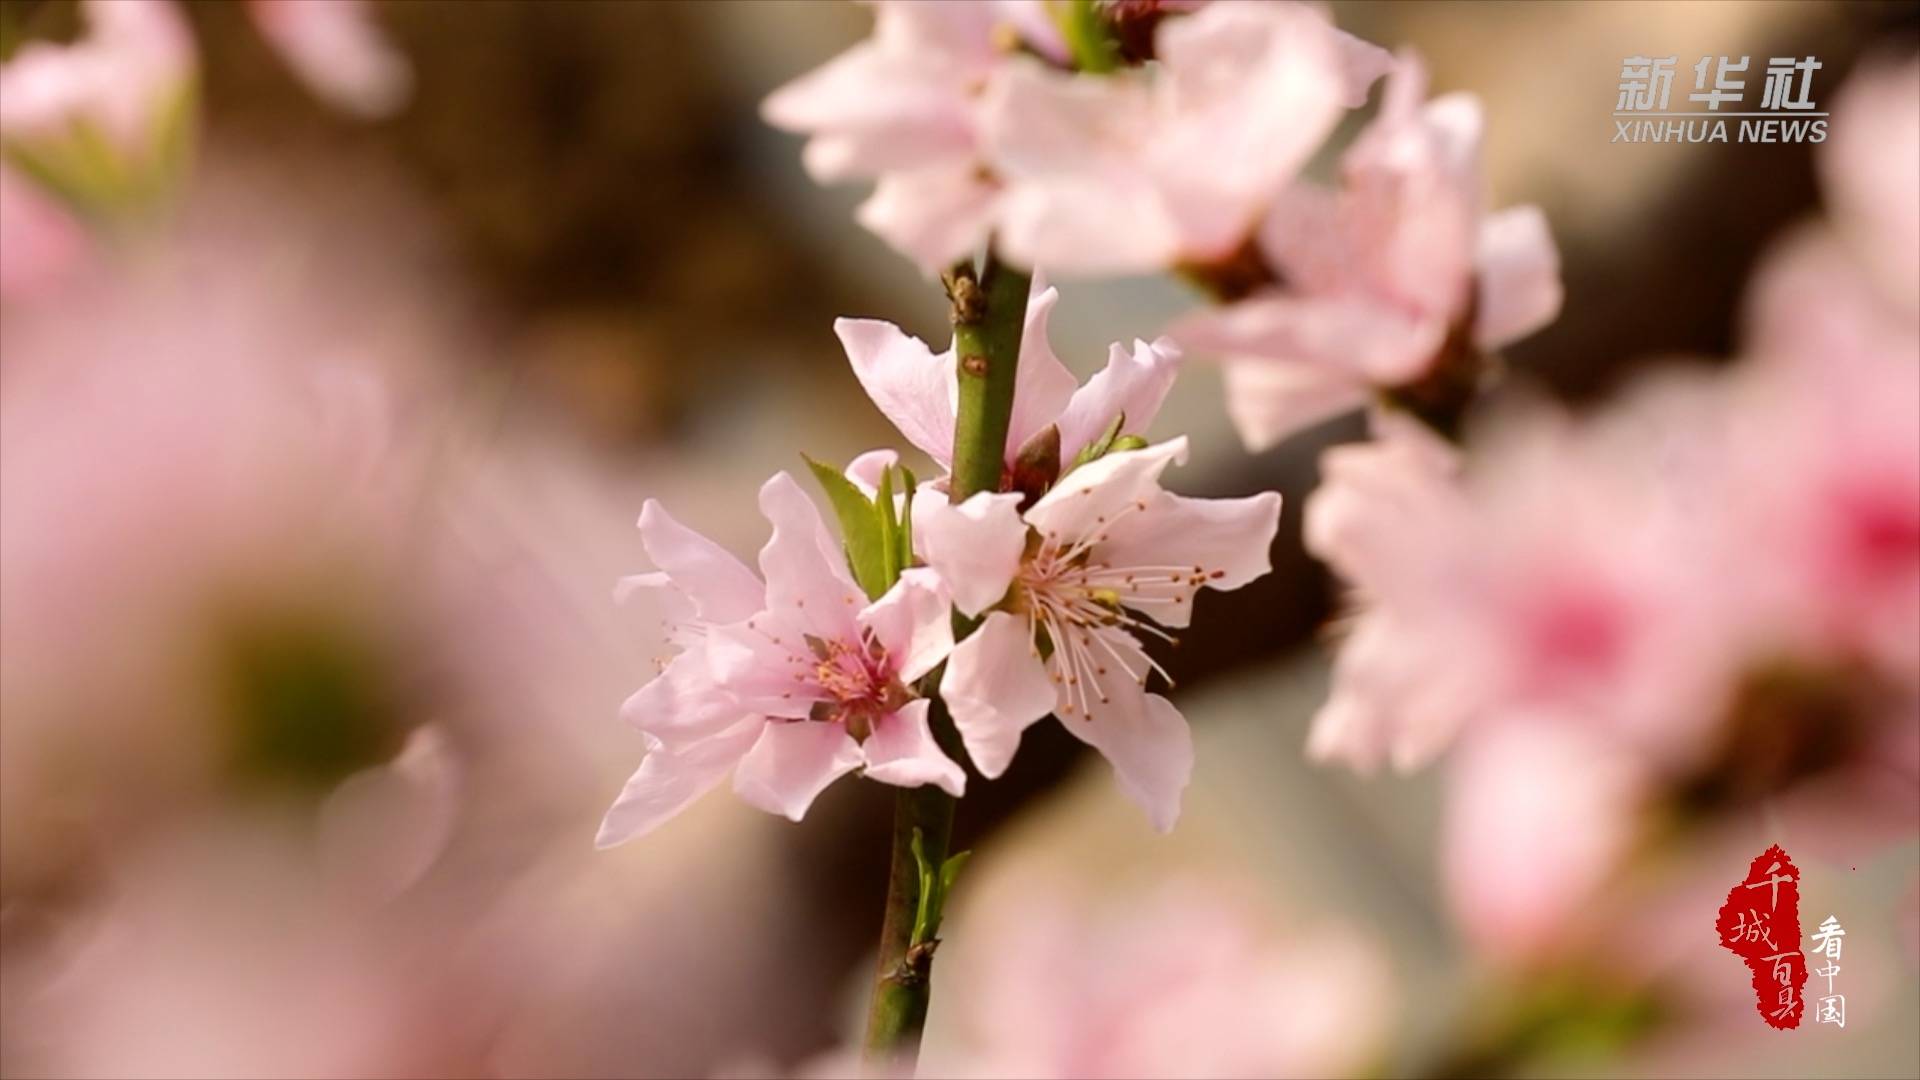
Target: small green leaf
x,y
1108,441
907,485
951,872
934,887
1127,442
859,525
926,910
889,530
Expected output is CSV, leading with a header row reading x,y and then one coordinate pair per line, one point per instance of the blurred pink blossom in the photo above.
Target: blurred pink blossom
x,y
1377,278
787,685
338,50
382,828
1557,573
1186,980
1870,172
40,242
904,108
1117,558
1188,155
214,953
1538,818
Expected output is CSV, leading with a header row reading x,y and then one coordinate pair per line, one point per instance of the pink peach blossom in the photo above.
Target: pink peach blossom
x,y
1561,571
1188,980
919,390
1375,276
787,685
903,108
1068,588
1141,169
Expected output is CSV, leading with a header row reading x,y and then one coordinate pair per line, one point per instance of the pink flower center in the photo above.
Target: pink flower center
x,y
1879,528
850,674
1579,633
859,683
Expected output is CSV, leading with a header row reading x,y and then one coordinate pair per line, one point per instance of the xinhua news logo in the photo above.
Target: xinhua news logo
x,y
1784,113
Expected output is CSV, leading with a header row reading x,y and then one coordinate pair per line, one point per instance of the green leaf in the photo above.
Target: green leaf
x,y
951,872
860,526
889,530
907,485
926,910
932,904
1127,442
1098,448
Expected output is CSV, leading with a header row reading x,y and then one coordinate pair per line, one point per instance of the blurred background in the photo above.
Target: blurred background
x,y
339,495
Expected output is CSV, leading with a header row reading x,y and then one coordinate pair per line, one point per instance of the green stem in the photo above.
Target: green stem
x,y
989,314
903,981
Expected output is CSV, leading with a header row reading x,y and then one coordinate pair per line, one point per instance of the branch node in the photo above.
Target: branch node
x,y
968,299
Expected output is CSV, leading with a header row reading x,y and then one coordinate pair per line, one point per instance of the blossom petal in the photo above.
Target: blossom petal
x,y
912,386
1069,178
1304,239
382,828
1042,384
1415,195
1067,225
1352,335
338,51
805,569
683,703
902,751
668,780
1248,93
974,547
1362,63
995,687
1227,542
865,470
721,587
793,762
628,584
1132,384
764,665
1871,174
1089,497
1519,276
932,215
1045,124
913,622
1141,735
1268,400
872,110
1537,819
1383,505
1391,701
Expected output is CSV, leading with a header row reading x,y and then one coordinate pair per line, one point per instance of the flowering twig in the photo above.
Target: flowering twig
x,y
989,311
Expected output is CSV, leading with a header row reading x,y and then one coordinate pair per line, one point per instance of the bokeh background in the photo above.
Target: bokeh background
x,y
576,272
